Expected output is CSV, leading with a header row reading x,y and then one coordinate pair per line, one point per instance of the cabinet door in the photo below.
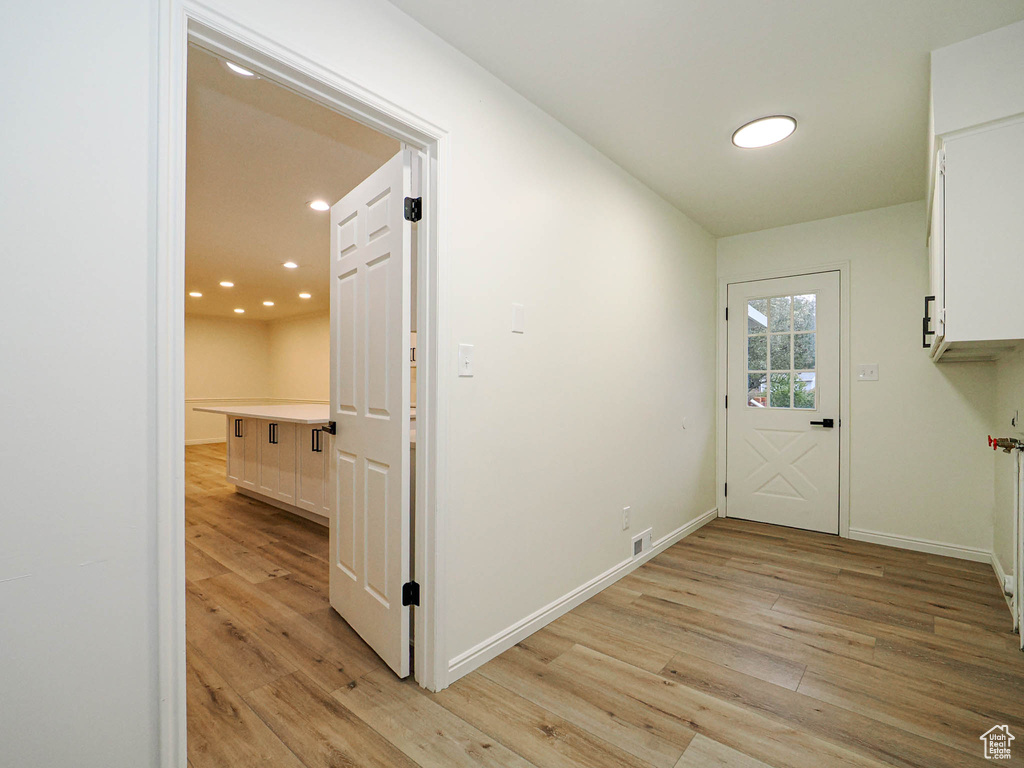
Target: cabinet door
x,y
236,451
270,471
937,251
984,190
251,448
286,462
311,475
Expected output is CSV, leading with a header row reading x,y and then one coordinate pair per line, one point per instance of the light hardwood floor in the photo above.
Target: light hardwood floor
x,y
741,646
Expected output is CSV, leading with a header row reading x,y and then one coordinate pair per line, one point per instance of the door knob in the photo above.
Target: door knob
x,y
826,423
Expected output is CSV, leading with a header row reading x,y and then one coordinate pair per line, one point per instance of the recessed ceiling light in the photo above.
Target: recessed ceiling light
x,y
320,205
290,265
195,294
764,131
239,70
268,303
305,295
226,284
239,311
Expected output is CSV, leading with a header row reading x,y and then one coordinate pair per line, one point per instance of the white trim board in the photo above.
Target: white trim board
x,y
255,400
284,505
922,545
1001,576
500,642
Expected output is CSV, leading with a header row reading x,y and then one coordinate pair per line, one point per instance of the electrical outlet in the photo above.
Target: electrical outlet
x,y
625,518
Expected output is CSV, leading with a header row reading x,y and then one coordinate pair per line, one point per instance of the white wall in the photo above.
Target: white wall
x,y
231,361
77,574
227,361
918,463
1009,402
559,428
299,350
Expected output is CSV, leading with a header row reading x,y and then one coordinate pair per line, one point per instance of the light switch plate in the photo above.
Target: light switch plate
x,y
518,318
867,372
465,359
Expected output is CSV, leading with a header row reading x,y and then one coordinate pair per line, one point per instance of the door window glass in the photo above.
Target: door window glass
x,y
782,352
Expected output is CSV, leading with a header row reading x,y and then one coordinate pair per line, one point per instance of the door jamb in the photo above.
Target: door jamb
x,y
721,385
182,22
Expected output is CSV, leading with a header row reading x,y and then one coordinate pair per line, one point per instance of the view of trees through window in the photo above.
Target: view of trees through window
x,y
781,352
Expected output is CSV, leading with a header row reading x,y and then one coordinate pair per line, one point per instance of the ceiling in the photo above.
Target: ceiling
x,y
659,86
257,154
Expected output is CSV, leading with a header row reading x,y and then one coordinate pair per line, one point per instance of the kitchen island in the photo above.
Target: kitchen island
x,y
276,454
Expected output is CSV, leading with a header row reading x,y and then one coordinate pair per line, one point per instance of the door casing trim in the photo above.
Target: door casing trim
x,y
180,23
722,366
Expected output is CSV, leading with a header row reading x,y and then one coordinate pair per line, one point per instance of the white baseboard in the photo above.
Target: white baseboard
x,y
1001,575
466,662
312,516
205,440
923,545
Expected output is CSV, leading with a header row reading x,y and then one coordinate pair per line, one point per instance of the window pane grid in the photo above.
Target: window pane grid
x,y
781,352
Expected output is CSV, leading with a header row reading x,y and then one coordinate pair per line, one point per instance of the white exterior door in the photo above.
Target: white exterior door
x,y
782,463
371,278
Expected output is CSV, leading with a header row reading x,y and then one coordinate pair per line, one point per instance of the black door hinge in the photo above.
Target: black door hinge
x,y
413,208
726,491
410,593
726,401
726,314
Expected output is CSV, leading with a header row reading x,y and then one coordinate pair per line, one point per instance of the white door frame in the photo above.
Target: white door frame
x,y
181,22
721,386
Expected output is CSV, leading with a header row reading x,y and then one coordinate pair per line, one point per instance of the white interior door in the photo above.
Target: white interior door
x,y
370,393
782,459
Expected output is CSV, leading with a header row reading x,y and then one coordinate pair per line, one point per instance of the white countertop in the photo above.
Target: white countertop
x,y
303,413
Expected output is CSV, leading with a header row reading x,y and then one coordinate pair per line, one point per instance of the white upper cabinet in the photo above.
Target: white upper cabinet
x,y
976,232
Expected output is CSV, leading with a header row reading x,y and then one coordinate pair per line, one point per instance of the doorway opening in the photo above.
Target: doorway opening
x,y
784,441
252,545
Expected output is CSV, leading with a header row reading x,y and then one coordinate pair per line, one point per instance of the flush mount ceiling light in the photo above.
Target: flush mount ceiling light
x,y
239,311
226,284
196,295
305,295
268,303
320,205
764,131
290,265
239,70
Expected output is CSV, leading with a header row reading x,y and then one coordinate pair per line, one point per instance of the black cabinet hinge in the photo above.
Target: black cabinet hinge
x,y
726,491
410,593
726,314
413,208
726,401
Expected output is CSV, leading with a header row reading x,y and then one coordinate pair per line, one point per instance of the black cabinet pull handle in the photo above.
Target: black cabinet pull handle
x,y
926,322
826,423
272,433
315,441
238,428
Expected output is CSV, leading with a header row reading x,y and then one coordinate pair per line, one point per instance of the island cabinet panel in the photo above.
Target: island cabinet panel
x,y
311,492
251,459
277,460
236,450
243,465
